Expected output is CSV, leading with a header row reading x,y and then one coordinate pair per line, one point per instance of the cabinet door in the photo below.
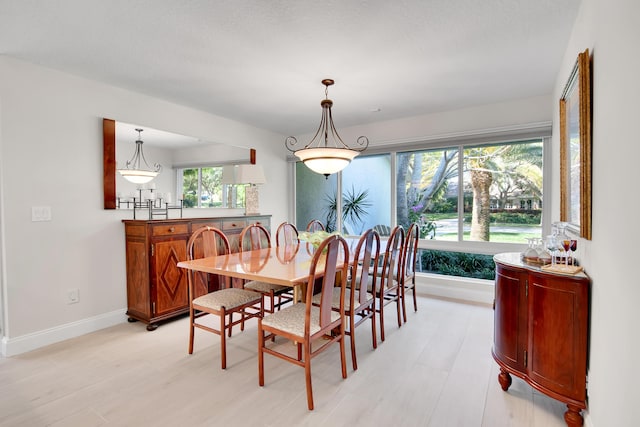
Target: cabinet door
x,y
510,317
169,282
558,334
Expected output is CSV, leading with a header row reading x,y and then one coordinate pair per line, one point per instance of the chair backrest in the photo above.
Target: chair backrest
x,y
315,225
286,234
365,256
324,268
254,236
204,242
410,251
382,229
392,263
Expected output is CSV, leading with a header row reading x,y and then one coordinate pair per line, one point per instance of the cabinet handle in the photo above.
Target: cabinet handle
x,y
172,229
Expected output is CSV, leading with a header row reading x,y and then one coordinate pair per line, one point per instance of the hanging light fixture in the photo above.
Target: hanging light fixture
x,y
326,153
138,170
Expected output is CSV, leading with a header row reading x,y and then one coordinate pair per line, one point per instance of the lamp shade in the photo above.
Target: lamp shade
x,y
326,160
229,174
250,174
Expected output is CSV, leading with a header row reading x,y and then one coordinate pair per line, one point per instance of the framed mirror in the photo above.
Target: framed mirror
x,y
173,151
575,149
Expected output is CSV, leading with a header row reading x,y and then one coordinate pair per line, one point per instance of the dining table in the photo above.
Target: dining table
x,y
281,265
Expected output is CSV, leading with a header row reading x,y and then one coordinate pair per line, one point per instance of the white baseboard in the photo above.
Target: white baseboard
x,y
14,346
459,288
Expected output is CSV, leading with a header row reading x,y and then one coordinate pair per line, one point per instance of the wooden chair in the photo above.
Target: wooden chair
x,y
206,242
386,285
315,225
286,234
359,303
306,323
256,236
409,257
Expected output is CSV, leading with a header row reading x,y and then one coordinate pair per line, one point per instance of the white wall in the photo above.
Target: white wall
x,y
610,30
51,151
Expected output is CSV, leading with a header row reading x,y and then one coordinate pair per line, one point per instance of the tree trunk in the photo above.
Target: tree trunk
x,y
401,189
480,214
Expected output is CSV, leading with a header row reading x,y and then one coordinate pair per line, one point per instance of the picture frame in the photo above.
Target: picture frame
x,y
575,149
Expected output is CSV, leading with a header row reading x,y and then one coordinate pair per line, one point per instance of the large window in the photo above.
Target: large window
x,y
203,188
471,200
484,193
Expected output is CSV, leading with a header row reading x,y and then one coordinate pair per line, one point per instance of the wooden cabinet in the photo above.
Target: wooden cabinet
x,y
156,287
540,331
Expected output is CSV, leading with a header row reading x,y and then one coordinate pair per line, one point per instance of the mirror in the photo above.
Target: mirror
x,y
169,149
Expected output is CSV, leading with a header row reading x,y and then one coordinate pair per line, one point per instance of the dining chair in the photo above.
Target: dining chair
x,y
386,284
409,257
253,237
315,225
286,234
206,242
359,303
305,323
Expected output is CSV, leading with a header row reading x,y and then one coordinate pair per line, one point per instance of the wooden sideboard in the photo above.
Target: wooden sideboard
x,y
541,331
156,287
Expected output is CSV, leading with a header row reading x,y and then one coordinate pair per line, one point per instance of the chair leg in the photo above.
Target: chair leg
x,y
381,310
343,356
230,323
404,305
374,335
260,353
352,341
307,372
415,301
223,339
399,302
191,330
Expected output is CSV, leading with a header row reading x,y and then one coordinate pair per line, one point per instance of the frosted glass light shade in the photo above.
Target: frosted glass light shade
x,y
326,160
137,176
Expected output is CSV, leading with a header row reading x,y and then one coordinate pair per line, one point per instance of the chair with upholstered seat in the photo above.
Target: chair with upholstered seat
x,y
305,323
256,236
359,302
315,225
206,242
388,280
409,257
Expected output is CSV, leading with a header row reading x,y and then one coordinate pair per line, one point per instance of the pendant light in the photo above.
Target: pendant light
x,y
326,153
138,170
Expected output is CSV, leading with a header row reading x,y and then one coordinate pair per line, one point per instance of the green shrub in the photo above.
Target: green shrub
x,y
460,264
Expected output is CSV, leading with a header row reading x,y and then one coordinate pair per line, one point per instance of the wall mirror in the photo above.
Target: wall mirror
x,y
173,151
575,149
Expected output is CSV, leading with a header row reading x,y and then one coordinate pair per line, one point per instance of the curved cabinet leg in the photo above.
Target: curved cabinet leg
x,y
504,378
573,417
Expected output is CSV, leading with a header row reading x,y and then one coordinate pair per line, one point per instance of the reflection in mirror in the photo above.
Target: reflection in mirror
x,y
191,167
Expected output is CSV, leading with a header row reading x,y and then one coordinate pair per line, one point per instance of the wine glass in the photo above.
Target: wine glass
x,y
552,247
573,247
566,245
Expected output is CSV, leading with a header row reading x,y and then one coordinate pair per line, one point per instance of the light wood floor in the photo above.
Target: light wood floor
x,y
436,370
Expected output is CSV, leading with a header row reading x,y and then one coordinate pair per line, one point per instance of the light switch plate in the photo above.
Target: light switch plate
x,y
40,213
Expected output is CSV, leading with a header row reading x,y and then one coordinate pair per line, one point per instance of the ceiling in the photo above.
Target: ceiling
x,y
261,62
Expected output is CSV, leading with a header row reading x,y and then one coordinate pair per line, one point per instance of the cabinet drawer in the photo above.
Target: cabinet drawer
x,y
199,224
169,229
233,226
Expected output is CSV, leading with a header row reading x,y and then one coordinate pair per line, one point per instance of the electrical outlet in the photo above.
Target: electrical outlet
x,y
73,296
40,213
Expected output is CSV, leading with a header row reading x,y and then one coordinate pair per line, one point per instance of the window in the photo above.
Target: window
x,y
471,200
202,188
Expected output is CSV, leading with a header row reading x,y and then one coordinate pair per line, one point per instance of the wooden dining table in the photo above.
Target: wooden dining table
x,y
281,265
